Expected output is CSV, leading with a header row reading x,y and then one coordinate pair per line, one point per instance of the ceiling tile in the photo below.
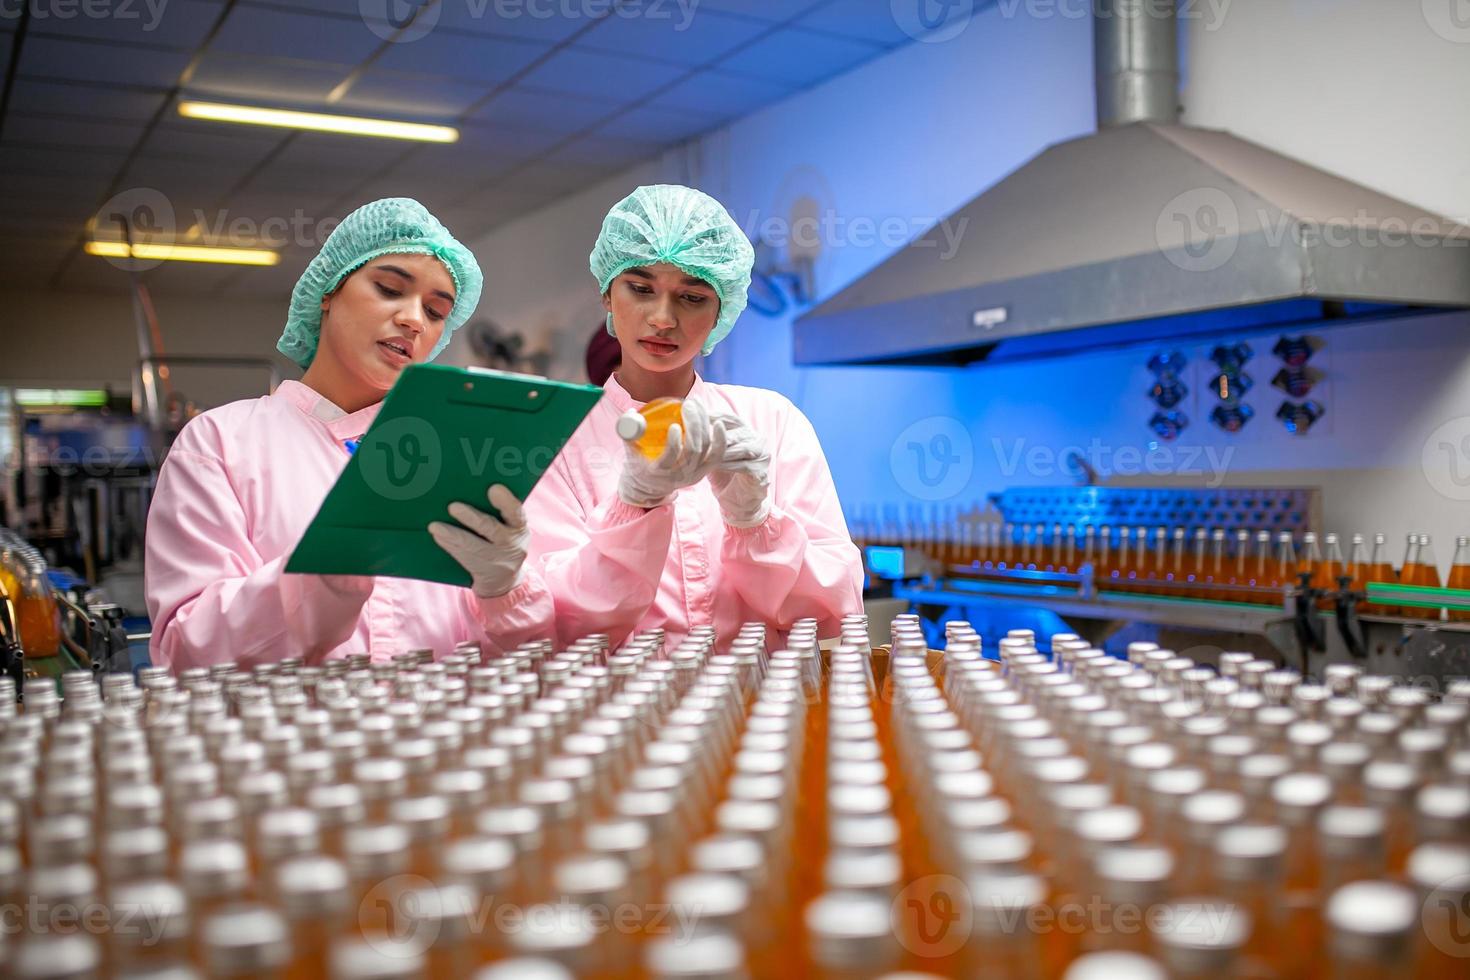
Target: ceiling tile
x,y
508,139
531,20
350,153
276,81
165,23
175,176
471,163
536,109
607,151
424,97
657,125
307,181
28,128
769,10
310,37
688,37
869,20
501,204
102,101
203,140
798,57
722,96
29,160
594,74
77,189
461,56
95,62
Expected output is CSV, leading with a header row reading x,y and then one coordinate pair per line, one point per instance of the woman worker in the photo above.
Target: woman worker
x,y
242,481
738,520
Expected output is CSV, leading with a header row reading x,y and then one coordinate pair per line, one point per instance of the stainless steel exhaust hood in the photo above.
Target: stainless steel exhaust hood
x,y
1147,230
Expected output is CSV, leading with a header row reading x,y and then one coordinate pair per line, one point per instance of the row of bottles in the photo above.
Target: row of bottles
x,y
30,599
1239,565
678,810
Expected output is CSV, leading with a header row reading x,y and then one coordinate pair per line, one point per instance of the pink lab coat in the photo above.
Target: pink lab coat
x,y
615,569
234,496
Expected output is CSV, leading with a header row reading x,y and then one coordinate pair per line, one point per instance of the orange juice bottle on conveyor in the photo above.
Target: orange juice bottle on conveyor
x,y
1409,574
1178,567
1460,575
1357,563
1283,576
1159,565
1261,570
648,427
36,613
1380,570
1103,569
1331,568
1218,574
1309,563
1240,574
1427,574
1199,564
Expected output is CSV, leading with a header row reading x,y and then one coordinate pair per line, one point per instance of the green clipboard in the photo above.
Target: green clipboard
x,y
444,434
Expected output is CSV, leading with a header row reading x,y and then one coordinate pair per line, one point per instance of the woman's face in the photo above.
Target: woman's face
x,y
662,316
385,316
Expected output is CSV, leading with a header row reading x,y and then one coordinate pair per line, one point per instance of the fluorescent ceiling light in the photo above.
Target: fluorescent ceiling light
x,y
319,121
184,253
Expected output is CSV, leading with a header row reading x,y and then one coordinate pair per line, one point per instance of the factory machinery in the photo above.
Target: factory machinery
x,y
742,806
1197,570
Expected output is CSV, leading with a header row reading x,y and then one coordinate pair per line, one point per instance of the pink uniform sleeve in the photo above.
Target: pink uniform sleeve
x,y
524,613
210,595
601,567
801,562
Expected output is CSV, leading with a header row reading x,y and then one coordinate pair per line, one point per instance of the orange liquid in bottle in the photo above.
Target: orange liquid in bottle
x,y
648,427
1460,576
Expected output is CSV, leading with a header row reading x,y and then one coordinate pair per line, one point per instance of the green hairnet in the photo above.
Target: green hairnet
x,y
394,224
685,228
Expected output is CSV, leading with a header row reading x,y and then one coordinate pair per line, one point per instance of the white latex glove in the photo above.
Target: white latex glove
x,y
492,551
691,452
742,480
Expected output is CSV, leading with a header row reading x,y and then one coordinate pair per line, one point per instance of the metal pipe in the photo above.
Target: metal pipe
x,y
1136,61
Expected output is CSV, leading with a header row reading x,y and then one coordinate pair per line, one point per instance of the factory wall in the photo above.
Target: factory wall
x,y
941,121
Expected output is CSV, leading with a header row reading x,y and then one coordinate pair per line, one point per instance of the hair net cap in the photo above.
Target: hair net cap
x,y
391,225
685,228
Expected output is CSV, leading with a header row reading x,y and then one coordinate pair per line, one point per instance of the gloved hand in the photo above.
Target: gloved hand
x,y
691,452
742,480
492,551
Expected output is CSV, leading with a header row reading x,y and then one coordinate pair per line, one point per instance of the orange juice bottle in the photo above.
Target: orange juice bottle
x,y
1408,573
1008,546
1068,555
1178,570
1460,575
1240,576
1261,569
1332,567
1284,575
1199,563
1218,574
1103,570
1357,564
1122,559
1380,570
1160,569
1427,574
1055,561
648,427
36,615
1309,562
